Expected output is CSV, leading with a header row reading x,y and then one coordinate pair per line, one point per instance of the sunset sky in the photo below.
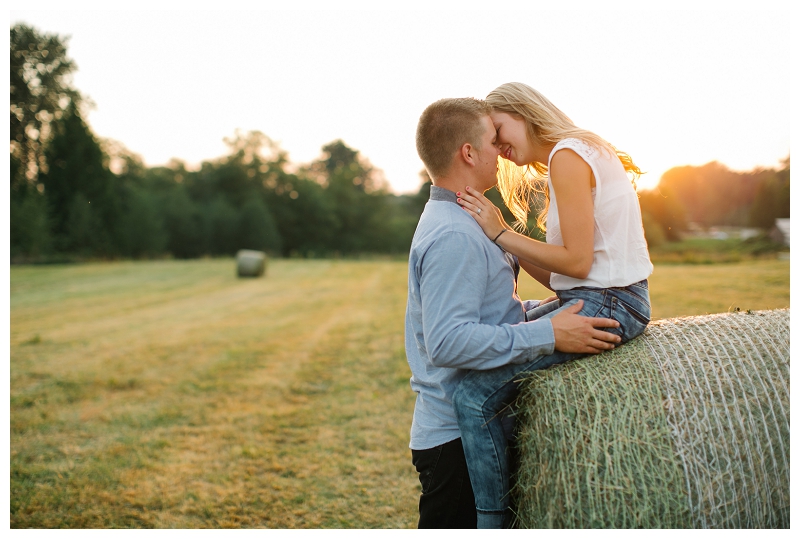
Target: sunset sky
x,y
668,87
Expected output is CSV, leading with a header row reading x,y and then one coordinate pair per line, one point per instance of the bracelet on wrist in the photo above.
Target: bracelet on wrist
x,y
501,233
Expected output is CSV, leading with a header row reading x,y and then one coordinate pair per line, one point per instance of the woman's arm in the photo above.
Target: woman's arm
x,y
572,178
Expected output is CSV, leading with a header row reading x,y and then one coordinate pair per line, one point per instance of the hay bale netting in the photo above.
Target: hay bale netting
x,y
250,263
686,426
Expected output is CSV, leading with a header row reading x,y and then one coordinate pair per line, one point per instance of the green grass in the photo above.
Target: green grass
x,y
713,251
171,394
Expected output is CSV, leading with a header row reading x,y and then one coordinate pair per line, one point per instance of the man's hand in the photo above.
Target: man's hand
x,y
548,300
578,334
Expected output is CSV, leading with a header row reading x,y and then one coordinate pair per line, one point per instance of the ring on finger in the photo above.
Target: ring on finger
x,y
479,211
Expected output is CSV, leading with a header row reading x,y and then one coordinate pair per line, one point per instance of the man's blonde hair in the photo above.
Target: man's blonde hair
x,y
444,127
545,124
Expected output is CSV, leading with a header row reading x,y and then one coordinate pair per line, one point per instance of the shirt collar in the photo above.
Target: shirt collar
x,y
442,194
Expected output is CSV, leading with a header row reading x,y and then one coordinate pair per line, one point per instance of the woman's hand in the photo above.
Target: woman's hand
x,y
483,211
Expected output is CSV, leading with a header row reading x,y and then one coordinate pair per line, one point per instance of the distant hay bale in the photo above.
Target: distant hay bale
x,y
250,263
686,426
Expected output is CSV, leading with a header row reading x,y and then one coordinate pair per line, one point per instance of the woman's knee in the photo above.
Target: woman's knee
x,y
471,395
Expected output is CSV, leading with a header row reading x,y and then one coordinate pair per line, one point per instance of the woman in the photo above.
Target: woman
x,y
595,252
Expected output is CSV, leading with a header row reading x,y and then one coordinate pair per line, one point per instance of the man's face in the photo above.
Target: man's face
x,y
487,156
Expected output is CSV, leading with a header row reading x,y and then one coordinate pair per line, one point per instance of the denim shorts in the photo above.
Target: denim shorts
x,y
629,305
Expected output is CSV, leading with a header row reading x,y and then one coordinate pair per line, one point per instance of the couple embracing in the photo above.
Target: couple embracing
x,y
469,338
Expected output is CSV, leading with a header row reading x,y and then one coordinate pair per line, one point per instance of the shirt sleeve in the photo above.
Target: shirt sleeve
x,y
453,277
530,304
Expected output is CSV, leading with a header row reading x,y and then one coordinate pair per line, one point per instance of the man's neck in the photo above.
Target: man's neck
x,y
454,184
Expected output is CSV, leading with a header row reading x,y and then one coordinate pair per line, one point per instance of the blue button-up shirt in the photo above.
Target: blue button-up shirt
x,y
463,312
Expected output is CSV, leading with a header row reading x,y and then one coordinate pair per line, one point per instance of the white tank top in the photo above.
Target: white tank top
x,y
620,250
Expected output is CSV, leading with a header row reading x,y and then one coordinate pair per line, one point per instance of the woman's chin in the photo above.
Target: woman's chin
x,y
510,160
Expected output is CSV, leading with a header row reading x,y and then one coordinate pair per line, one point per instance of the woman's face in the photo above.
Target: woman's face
x,y
512,138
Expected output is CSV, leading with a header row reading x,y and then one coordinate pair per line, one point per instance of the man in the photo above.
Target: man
x,y
463,311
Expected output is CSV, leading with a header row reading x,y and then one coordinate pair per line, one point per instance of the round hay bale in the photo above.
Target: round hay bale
x,y
250,263
686,426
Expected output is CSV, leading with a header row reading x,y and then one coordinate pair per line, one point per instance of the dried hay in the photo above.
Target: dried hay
x,y
686,426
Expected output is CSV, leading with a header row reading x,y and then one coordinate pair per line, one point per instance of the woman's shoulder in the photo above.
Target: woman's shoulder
x,y
579,146
593,155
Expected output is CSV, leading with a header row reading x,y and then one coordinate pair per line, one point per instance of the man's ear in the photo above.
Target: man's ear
x,y
467,153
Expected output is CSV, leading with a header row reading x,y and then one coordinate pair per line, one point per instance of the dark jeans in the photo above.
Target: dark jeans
x,y
446,500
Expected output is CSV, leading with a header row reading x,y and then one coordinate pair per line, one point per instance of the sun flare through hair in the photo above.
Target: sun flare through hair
x,y
545,124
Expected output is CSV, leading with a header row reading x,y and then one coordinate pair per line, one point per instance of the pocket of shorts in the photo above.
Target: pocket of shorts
x,y
630,309
643,284
600,302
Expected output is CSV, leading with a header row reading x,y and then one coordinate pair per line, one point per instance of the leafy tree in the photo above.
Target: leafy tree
x,y
418,201
401,222
81,227
712,194
142,231
41,92
358,194
29,227
141,228
304,215
257,228
254,160
228,180
663,208
772,199
127,166
76,166
183,223
404,213
221,226
653,231
156,208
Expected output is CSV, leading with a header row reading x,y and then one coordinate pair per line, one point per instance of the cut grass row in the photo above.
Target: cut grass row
x,y
186,398
171,394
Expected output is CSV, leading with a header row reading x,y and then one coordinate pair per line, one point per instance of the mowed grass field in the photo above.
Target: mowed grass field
x,y
172,394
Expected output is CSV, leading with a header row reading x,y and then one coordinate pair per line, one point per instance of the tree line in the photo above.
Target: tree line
x,y
713,195
74,195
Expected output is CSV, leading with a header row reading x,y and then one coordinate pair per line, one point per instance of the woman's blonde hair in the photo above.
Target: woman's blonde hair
x,y
545,124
